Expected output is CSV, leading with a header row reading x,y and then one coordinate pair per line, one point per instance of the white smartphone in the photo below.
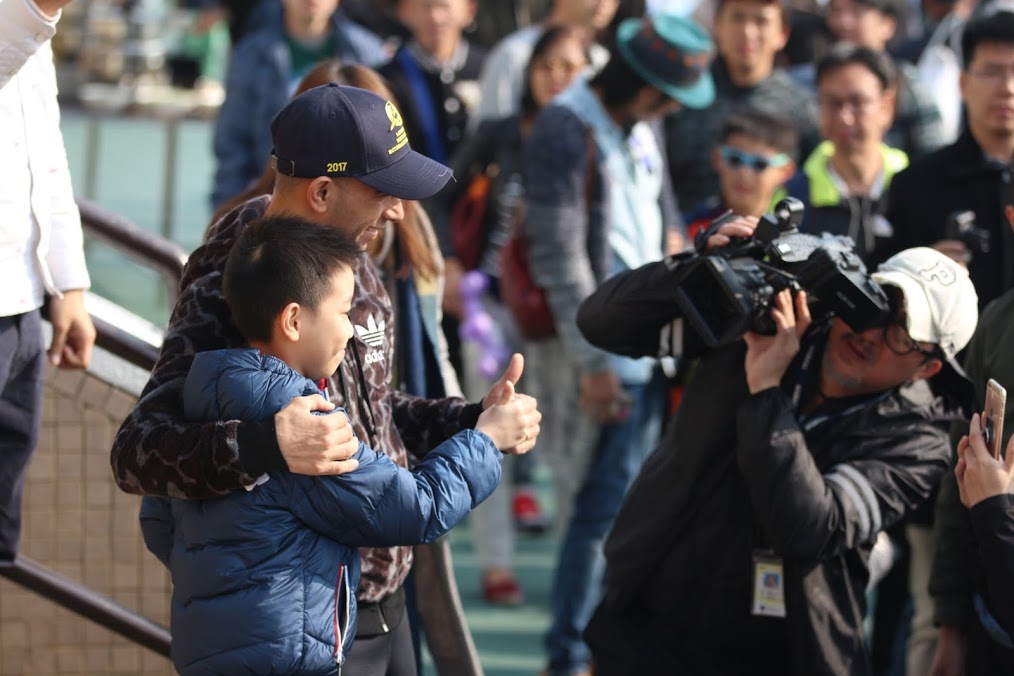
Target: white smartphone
x,y
992,417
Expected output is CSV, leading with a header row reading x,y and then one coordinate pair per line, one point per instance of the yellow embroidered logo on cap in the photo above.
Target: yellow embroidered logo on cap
x,y
400,137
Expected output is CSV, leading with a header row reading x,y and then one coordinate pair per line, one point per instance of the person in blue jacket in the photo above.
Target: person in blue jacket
x,y
264,579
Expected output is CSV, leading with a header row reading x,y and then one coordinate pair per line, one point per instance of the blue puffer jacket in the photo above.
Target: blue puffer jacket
x,y
264,580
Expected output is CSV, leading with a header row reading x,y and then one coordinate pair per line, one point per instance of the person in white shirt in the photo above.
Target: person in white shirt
x,y
41,254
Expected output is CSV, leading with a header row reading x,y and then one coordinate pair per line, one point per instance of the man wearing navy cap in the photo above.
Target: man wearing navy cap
x,y
593,179
343,160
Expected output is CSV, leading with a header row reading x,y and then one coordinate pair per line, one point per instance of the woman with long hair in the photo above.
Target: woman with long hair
x,y
560,54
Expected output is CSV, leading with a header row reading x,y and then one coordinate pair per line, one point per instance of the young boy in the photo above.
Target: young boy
x,y
753,160
264,579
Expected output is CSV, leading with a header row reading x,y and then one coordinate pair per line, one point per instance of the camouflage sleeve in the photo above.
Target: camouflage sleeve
x,y
156,452
425,423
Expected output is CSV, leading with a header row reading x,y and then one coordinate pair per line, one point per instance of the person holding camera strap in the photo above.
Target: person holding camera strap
x,y
743,545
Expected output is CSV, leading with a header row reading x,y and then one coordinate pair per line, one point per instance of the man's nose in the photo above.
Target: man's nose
x,y
395,212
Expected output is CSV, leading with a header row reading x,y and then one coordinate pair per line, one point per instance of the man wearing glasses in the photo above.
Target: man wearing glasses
x,y
971,174
743,545
843,181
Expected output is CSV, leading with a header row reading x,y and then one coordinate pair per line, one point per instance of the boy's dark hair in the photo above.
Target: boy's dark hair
x,y
781,4
279,260
996,27
768,127
845,54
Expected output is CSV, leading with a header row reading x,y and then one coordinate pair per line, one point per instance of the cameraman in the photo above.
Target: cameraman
x,y
743,545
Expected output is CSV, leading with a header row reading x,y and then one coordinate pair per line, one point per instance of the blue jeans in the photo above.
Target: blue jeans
x,y
578,583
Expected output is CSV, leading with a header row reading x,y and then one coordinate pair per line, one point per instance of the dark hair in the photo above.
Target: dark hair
x,y
783,10
886,7
618,81
279,260
550,38
845,54
996,27
766,126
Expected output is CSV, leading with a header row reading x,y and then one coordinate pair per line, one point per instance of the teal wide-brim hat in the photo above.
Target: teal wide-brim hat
x,y
673,54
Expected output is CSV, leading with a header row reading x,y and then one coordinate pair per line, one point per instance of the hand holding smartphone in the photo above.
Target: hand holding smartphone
x,y
992,417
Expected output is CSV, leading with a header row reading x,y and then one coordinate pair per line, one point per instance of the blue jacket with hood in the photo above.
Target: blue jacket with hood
x,y
264,580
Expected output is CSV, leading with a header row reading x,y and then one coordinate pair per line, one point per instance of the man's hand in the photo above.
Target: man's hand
x,y
51,7
603,397
512,422
73,331
315,444
768,357
740,226
979,474
949,658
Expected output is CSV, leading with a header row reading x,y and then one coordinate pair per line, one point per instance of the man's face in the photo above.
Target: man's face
x,y
652,104
324,331
595,14
749,173
860,24
748,34
987,88
436,22
359,210
306,12
864,362
855,110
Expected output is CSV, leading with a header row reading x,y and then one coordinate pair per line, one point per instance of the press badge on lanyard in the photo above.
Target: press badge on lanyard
x,y
768,585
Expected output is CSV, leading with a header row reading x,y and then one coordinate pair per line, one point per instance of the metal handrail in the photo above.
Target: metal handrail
x,y
168,259
78,598
164,256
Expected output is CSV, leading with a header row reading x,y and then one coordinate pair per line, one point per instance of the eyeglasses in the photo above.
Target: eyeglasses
x,y
855,106
994,75
899,342
735,158
559,65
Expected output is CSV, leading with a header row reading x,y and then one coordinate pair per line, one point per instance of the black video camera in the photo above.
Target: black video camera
x,y
731,290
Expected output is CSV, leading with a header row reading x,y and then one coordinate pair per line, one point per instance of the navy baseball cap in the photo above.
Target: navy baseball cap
x,y
341,131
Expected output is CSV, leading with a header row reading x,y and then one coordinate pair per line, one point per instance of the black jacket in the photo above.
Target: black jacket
x,y
963,562
736,473
955,178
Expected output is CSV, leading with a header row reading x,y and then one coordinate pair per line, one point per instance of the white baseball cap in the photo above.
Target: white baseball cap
x,y
940,301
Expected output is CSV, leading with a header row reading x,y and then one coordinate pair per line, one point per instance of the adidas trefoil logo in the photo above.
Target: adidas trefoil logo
x,y
373,333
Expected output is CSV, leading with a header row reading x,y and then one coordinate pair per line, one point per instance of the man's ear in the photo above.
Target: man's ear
x,y
289,322
317,193
787,172
928,369
1008,211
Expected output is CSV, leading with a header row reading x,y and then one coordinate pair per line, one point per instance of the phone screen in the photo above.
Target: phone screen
x,y
992,416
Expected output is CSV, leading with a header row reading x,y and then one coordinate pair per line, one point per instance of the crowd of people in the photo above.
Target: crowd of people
x,y
339,380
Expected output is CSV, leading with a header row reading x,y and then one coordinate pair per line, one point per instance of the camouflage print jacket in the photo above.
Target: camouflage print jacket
x,y
157,453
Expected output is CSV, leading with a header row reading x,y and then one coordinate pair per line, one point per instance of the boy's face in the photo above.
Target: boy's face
x,y
748,34
748,175
855,110
436,22
324,332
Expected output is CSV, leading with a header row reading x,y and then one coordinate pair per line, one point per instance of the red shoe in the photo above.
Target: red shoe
x,y
504,592
528,516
